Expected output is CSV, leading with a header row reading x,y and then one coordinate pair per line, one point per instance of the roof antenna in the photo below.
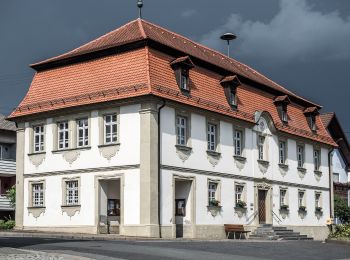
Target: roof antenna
x,y
140,5
228,37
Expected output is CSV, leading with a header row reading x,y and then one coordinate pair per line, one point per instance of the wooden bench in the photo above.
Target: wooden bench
x,y
229,228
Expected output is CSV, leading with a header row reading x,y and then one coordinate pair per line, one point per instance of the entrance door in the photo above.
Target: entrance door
x,y
262,206
183,208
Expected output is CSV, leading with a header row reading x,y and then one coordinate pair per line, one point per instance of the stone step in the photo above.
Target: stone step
x,y
287,233
280,228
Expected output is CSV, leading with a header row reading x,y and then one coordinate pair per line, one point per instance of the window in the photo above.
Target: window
x,y
184,84
238,142
239,193
211,137
180,207
300,156
72,193
301,195
313,122
233,98
63,135
282,152
83,132
39,138
317,161
284,115
38,195
335,177
181,129
318,200
7,151
212,188
261,142
111,128
283,194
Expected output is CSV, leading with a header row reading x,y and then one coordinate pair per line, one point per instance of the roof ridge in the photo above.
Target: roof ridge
x,y
139,21
229,59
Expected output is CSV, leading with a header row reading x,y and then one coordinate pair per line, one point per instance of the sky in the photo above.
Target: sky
x,y
304,45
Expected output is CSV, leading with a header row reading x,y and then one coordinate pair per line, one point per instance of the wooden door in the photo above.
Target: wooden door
x,y
262,206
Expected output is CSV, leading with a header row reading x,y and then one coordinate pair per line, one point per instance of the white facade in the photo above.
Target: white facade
x,y
184,174
339,168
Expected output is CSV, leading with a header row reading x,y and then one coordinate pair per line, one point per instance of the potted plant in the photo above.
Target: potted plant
x,y
284,207
241,204
214,207
302,208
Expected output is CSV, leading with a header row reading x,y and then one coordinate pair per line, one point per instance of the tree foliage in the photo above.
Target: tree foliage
x,y
11,195
341,210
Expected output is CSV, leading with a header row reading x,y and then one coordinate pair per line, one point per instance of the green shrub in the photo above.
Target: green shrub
x,y
341,231
11,195
9,224
341,210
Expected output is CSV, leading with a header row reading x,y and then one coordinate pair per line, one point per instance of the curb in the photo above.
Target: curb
x,y
339,242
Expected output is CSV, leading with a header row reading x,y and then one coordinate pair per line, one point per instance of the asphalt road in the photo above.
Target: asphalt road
x,y
178,249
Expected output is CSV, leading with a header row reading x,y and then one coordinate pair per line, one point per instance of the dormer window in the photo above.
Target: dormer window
x,y
184,80
311,113
282,103
181,67
230,85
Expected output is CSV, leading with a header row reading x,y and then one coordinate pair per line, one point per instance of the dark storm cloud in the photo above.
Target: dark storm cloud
x,y
302,44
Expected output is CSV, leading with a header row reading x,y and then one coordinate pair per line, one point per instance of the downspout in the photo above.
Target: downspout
x,y
330,168
159,165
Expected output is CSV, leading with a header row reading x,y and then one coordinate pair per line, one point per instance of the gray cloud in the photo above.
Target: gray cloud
x,y
295,32
188,13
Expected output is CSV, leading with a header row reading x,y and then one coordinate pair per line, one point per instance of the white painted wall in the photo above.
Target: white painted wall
x,y
340,167
198,161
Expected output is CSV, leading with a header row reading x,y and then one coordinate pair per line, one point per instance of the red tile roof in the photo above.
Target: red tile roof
x,y
144,71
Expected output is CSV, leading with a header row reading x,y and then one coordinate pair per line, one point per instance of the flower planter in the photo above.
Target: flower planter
x,y
318,212
302,212
284,211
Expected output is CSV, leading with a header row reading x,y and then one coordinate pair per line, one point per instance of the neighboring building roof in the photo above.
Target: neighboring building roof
x,y
72,79
331,122
6,125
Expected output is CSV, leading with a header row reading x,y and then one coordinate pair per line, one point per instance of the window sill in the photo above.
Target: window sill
x,y
283,166
36,207
36,153
183,148
301,169
213,153
108,145
263,162
239,158
71,206
72,149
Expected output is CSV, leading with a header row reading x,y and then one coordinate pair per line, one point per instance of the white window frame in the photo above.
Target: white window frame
x,y
85,130
38,199
282,152
181,130
317,159
39,145
72,192
113,125
301,200
283,197
213,187
184,80
261,148
238,142
300,156
212,137
318,201
239,193
65,135
284,115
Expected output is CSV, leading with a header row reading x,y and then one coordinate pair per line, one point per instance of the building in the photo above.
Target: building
x,y
7,165
340,158
144,132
